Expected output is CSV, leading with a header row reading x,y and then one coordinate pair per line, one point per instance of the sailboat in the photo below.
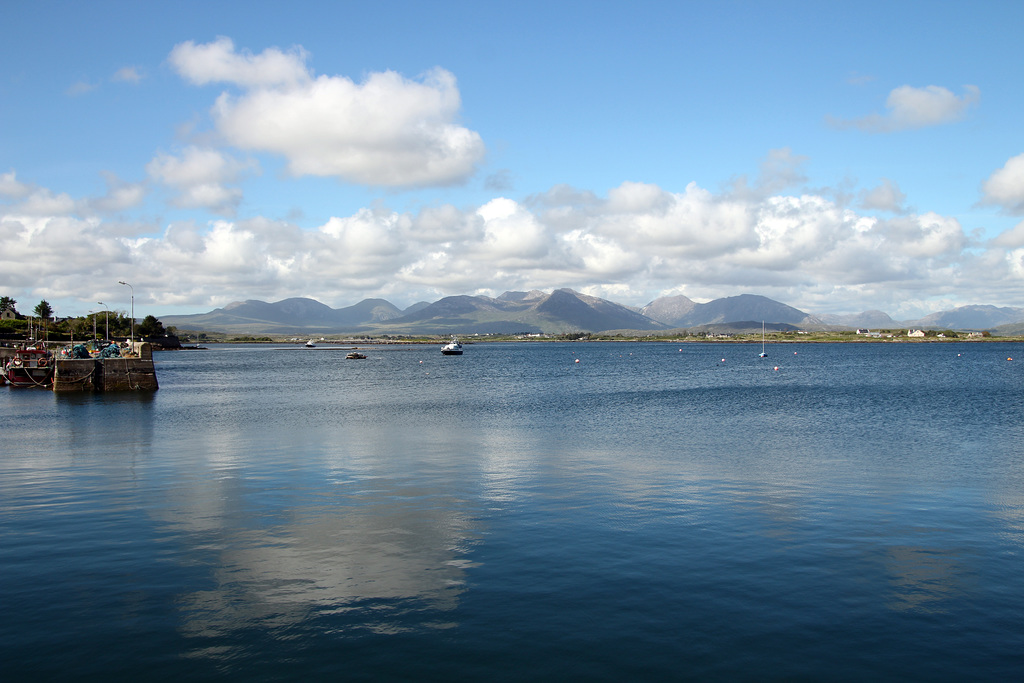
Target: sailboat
x,y
762,354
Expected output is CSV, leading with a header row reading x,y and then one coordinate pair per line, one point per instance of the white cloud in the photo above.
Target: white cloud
x,y
31,200
1012,238
694,224
217,62
120,196
11,187
43,202
387,131
909,108
926,236
200,177
884,197
437,225
512,236
63,251
365,242
779,170
638,198
1005,187
639,240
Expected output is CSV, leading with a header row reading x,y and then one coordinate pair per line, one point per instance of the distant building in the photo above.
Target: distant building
x,y
8,314
915,333
863,331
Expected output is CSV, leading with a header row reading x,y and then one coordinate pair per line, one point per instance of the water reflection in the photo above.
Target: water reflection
x,y
254,512
923,579
320,526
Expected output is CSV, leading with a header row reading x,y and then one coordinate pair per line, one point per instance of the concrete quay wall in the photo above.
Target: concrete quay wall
x,y
110,374
107,374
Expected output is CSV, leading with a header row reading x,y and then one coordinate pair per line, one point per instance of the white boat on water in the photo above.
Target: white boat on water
x,y
310,344
763,354
452,348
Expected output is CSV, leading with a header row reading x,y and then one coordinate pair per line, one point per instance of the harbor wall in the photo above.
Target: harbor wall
x,y
107,374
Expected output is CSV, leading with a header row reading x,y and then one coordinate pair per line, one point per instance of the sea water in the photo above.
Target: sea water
x,y
526,511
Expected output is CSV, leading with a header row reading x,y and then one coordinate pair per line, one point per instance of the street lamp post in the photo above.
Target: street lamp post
x,y
122,282
106,316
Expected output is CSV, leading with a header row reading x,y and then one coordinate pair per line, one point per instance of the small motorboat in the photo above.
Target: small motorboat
x,y
452,348
310,344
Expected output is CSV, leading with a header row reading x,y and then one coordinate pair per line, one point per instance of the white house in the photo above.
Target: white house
x,y
915,333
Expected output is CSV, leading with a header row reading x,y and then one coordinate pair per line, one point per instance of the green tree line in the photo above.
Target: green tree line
x,y
98,323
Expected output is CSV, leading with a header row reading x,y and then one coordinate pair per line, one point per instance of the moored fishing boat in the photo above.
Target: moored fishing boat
x,y
30,366
452,348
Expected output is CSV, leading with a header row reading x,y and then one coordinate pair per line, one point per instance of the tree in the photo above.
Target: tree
x,y
150,327
43,309
7,302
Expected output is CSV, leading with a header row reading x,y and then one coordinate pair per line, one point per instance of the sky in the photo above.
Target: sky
x,y
837,157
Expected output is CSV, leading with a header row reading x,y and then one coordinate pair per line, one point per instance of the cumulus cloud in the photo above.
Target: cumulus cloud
x,y
908,108
388,130
200,176
1012,238
42,201
638,241
218,62
120,196
11,187
64,251
779,170
1005,187
31,200
886,196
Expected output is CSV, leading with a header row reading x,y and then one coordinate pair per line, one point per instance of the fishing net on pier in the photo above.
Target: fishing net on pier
x,y
79,351
110,352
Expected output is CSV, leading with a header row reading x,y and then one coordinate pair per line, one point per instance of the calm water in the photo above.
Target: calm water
x,y
650,512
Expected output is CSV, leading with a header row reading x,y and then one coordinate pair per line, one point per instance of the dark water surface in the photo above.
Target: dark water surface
x,y
650,512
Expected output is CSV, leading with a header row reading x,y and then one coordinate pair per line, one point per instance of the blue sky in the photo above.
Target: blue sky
x,y
837,157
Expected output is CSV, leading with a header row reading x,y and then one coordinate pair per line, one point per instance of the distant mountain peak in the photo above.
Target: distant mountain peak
x,y
532,295
563,310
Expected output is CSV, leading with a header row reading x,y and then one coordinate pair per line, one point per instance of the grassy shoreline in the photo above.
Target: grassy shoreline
x,y
745,338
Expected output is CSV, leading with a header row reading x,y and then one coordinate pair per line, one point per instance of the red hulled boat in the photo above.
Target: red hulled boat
x,y
31,366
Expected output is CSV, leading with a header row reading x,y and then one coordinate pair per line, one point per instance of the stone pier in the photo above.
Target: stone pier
x,y
135,373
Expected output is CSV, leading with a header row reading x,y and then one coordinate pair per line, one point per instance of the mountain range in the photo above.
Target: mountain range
x,y
560,312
